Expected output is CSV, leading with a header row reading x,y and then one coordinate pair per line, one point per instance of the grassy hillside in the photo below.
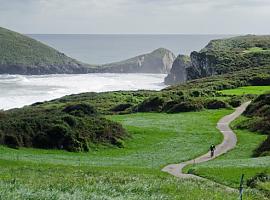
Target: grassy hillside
x,y
237,53
132,172
23,55
223,56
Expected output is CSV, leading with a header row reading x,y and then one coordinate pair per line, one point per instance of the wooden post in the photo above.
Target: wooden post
x,y
241,188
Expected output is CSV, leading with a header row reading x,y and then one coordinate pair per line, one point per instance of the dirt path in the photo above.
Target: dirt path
x,y
229,142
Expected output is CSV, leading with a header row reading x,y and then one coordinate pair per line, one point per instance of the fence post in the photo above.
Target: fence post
x,y
241,188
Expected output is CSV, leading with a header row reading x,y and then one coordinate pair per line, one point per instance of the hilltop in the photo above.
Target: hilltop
x,y
223,56
158,61
20,54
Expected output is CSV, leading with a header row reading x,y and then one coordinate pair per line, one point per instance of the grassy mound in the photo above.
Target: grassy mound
x,y
74,128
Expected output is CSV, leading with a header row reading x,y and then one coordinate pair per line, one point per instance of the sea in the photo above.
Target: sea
x,y
19,90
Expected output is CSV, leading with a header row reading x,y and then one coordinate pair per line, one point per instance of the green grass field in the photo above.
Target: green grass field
x,y
228,168
247,90
129,173
133,172
256,50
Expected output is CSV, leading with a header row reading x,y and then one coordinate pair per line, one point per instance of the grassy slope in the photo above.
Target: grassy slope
x,y
129,173
232,54
17,49
246,90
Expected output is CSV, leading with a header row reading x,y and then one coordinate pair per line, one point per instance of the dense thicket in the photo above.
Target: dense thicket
x,y
74,128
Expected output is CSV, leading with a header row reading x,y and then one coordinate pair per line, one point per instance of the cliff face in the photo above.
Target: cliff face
x,y
158,61
178,72
224,56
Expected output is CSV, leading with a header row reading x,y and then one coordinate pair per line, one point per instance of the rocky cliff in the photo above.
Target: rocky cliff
x,y
178,72
224,56
158,61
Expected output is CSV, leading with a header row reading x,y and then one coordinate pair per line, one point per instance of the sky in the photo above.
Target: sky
x,y
136,16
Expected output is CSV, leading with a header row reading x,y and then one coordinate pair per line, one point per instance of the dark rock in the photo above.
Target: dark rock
x,y
178,72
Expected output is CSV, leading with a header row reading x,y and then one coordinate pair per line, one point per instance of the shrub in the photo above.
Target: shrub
x,y
79,109
235,102
260,80
11,141
261,177
118,142
121,107
263,148
215,104
70,120
168,105
152,104
58,128
186,107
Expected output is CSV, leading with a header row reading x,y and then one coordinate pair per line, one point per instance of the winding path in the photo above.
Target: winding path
x,y
229,142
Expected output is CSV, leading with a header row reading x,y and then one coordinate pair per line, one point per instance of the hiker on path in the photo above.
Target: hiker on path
x,y
212,149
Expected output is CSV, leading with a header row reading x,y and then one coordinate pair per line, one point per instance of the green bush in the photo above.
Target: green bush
x,y
79,109
260,80
264,148
72,128
261,177
121,107
186,106
152,104
11,141
215,104
235,102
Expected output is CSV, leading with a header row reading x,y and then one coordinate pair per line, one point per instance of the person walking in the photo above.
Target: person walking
x,y
212,149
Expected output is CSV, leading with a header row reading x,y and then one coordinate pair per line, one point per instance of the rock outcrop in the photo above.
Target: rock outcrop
x,y
178,72
158,61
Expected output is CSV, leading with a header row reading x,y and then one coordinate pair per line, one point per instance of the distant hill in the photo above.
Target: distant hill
x,y
223,56
158,61
20,54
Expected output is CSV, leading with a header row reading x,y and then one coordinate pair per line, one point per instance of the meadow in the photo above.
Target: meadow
x,y
227,169
133,172
257,90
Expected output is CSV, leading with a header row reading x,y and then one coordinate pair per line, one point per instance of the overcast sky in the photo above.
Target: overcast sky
x,y
137,16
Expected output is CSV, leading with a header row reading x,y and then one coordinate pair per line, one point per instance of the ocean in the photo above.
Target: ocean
x,y
100,49
18,90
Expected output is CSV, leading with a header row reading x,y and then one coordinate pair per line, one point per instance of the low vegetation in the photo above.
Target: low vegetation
x,y
77,127
258,120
